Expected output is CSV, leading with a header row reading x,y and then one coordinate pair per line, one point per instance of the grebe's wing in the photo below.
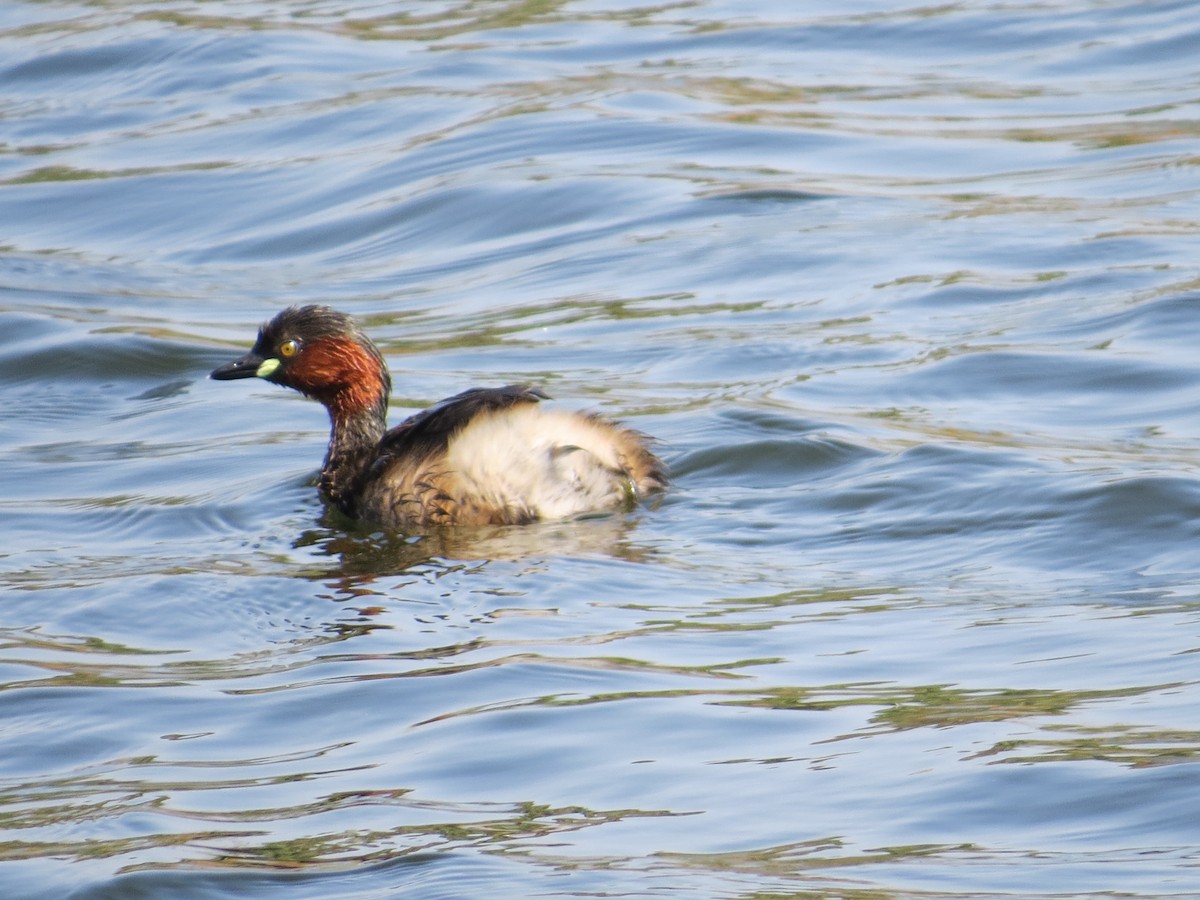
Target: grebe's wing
x,y
429,431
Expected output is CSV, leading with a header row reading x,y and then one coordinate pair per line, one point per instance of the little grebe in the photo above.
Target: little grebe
x,y
487,456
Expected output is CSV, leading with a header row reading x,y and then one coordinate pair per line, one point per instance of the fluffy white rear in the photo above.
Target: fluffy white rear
x,y
551,464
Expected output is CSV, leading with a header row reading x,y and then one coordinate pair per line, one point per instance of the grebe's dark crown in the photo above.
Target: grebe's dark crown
x,y
310,322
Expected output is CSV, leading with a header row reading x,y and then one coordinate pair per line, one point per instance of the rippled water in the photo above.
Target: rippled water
x,y
908,294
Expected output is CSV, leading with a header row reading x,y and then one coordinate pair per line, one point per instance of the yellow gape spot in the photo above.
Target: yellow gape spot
x,y
266,368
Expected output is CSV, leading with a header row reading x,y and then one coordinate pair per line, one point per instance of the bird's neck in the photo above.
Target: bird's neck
x,y
354,439
351,381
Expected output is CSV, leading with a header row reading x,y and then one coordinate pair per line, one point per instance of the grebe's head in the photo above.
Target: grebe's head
x,y
323,354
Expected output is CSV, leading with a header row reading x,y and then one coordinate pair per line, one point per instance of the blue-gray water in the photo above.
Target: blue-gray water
x,y
910,296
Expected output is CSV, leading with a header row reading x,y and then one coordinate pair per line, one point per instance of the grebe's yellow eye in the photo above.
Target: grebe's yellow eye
x,y
288,349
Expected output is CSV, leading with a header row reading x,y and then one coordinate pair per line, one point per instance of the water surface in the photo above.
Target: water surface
x,y
908,296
